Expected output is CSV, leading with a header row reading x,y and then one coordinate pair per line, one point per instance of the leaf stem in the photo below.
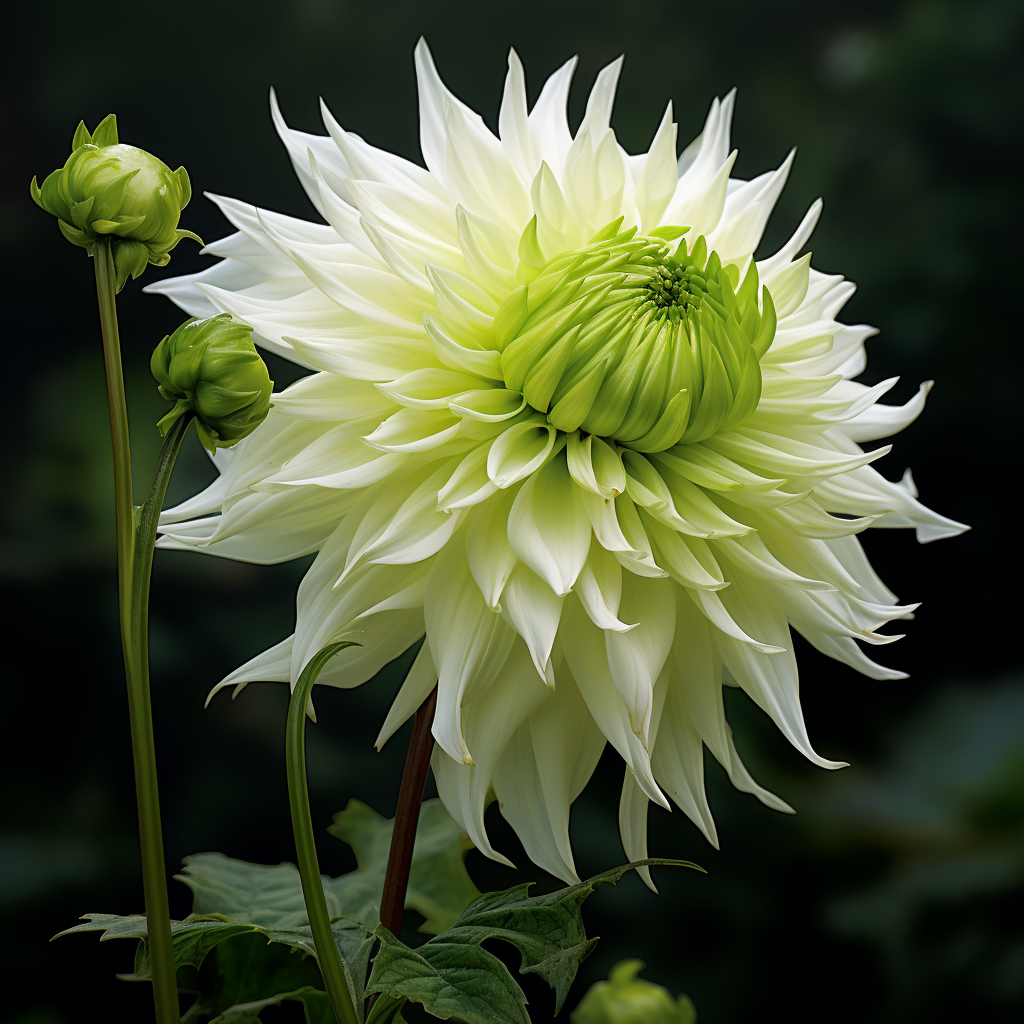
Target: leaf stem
x,y
407,816
133,642
305,847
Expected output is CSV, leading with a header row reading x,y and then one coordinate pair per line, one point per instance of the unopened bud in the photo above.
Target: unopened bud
x,y
211,367
108,189
626,999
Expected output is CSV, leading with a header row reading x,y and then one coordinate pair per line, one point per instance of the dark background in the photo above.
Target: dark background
x,y
895,894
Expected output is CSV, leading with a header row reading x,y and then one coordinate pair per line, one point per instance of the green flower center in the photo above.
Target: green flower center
x,y
669,287
636,340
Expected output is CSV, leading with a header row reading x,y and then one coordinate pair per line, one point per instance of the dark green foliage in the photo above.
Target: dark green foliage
x,y
451,973
237,949
439,886
247,943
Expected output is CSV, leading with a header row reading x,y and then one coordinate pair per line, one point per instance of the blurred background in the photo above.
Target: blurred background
x,y
895,894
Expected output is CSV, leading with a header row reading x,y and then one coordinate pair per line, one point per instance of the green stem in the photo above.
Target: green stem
x,y
136,663
124,513
302,825
145,535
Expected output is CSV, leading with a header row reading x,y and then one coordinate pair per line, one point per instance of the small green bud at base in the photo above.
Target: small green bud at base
x,y
212,368
626,999
108,189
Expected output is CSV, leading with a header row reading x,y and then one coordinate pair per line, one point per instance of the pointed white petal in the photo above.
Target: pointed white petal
x,y
548,527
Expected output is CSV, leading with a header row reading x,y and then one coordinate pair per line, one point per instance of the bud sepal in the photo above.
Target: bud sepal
x,y
110,190
211,367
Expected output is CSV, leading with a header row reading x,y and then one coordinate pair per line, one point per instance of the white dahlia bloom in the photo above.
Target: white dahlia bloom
x,y
560,422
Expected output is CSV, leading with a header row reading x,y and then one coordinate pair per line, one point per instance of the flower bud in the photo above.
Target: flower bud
x,y
212,368
626,999
113,190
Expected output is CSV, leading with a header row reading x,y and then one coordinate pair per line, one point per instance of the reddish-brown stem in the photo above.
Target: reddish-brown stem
x,y
407,816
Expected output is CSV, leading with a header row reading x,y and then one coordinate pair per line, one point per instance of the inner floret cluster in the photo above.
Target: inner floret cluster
x,y
669,288
637,340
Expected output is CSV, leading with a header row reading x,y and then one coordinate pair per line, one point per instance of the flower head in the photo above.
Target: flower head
x,y
211,367
109,189
562,423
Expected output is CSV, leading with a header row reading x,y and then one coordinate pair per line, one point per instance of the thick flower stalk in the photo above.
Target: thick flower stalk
x,y
109,190
562,423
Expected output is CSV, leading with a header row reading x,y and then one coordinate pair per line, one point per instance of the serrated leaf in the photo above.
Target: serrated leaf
x,y
192,939
248,968
234,901
439,886
450,980
547,930
314,1001
269,898
237,904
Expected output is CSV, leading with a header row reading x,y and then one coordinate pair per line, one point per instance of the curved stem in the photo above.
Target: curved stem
x,y
407,816
136,663
145,536
302,825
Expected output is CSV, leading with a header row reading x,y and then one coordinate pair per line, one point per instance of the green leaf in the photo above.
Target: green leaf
x,y
547,930
439,886
448,980
192,939
314,1001
246,969
387,1010
251,905
238,908
269,898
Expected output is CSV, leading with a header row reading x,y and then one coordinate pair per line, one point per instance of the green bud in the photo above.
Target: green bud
x,y
212,368
626,999
107,189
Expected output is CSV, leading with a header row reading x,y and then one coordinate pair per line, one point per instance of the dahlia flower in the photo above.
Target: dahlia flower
x,y
560,422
